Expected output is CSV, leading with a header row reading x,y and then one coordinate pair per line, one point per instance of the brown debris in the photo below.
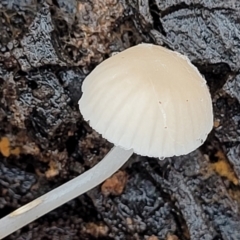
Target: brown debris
x,y
96,230
114,185
53,169
172,237
223,168
96,32
217,123
6,149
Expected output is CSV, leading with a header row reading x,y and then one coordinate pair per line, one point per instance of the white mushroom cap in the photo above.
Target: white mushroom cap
x,y
149,99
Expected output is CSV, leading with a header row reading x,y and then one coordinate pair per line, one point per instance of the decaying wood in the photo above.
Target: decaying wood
x,y
46,50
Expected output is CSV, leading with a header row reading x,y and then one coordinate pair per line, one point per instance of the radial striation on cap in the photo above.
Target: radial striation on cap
x,y
149,99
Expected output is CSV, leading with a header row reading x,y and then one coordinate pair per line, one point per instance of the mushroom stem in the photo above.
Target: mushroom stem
x,y
114,160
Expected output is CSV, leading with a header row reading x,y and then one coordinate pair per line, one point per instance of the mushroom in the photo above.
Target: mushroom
x,y
146,99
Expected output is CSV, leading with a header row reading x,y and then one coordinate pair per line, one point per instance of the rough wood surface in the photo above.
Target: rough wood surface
x,y
46,50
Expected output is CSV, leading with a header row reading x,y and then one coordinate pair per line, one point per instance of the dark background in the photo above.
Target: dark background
x,y
46,50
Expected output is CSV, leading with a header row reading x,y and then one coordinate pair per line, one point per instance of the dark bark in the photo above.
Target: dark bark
x,y
46,50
